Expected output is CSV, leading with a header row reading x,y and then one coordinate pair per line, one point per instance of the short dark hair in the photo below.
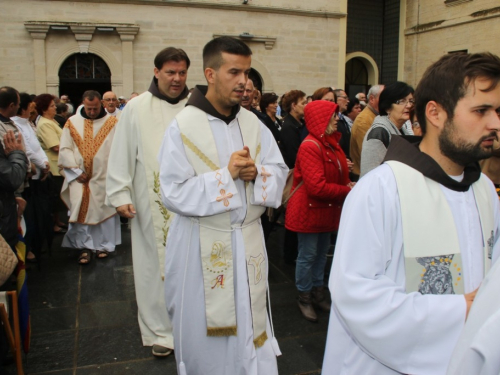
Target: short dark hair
x,y
446,81
212,52
25,100
352,102
61,108
392,92
42,102
91,95
266,99
171,54
291,97
322,91
8,95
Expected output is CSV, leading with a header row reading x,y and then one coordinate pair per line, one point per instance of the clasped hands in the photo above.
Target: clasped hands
x,y
241,165
83,178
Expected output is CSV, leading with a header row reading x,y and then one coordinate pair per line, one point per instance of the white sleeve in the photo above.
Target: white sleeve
x,y
186,193
122,160
272,172
408,332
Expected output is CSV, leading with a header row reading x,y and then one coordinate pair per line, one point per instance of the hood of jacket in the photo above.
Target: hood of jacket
x,y
317,115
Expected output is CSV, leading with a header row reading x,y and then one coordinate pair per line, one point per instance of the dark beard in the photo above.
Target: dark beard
x,y
460,152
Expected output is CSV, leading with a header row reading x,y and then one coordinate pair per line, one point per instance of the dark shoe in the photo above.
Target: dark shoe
x,y
161,351
320,300
306,308
85,257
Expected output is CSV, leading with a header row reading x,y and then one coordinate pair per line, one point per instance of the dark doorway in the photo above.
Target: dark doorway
x,y
356,77
256,78
81,72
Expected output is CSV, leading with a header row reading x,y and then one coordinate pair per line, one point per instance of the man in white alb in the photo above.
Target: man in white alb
x,y
219,168
110,104
417,234
133,188
83,155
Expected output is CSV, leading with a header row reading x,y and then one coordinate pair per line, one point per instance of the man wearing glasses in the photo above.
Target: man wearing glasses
x,y
110,104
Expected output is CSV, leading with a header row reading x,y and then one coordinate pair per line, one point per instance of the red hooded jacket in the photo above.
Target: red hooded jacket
x,y
316,206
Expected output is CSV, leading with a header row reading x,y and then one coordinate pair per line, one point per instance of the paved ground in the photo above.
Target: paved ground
x,y
84,319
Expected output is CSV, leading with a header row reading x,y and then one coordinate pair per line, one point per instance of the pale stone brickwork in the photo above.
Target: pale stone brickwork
x,y
434,29
305,54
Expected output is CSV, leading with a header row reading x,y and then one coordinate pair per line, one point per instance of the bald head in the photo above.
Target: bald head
x,y
109,101
247,98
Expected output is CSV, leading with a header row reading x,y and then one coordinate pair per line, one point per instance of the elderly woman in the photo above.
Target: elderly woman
x,y
395,106
49,133
320,186
352,111
269,106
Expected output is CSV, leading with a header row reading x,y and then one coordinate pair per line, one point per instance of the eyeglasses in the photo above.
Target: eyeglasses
x,y
405,101
110,100
343,97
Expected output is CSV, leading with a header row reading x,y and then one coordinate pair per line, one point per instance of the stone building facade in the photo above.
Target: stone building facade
x,y
434,28
295,44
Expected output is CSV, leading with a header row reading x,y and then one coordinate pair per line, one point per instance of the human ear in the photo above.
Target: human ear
x,y
435,115
210,75
156,71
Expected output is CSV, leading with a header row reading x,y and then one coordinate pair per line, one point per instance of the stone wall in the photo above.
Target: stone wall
x,y
434,29
304,55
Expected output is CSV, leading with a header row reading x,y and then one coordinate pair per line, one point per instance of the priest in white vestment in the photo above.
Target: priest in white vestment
x,y
417,234
219,168
83,156
110,104
133,188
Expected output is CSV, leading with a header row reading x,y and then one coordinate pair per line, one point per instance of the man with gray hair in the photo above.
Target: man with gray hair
x,y
361,126
361,96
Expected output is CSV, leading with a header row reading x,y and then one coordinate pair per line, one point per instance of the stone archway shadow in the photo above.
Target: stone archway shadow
x,y
370,64
54,63
267,81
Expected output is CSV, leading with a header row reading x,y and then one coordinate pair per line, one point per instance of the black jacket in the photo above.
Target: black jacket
x,y
291,139
12,174
272,126
345,141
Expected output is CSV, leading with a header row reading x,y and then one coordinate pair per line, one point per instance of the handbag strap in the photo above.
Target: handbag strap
x,y
302,182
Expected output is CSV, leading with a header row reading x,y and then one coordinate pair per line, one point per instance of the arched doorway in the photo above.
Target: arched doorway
x,y
81,72
361,73
356,77
255,76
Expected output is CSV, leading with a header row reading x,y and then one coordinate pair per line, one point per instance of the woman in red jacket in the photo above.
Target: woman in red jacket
x,y
321,178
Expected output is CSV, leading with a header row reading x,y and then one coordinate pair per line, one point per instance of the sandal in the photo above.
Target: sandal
x,y
101,254
85,257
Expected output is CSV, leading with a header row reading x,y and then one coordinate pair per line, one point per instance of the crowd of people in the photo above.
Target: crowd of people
x,y
388,178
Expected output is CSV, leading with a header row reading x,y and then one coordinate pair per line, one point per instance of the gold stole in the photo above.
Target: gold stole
x,y
215,231
433,263
88,147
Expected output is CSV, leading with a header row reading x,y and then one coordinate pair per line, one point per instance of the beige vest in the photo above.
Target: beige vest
x,y
215,231
433,263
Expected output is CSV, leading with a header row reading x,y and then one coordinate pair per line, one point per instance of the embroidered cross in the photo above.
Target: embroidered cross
x,y
265,174
218,177
256,262
224,197
264,194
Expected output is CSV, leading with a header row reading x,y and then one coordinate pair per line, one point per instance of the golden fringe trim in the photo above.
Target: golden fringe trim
x,y
259,341
222,331
198,153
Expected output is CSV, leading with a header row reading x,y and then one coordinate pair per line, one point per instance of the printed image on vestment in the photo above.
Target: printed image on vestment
x,y
436,275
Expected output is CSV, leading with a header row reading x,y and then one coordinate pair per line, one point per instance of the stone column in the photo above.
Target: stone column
x,y
127,35
39,33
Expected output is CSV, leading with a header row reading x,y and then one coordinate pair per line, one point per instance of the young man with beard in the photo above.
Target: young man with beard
x,y
219,168
403,286
133,183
